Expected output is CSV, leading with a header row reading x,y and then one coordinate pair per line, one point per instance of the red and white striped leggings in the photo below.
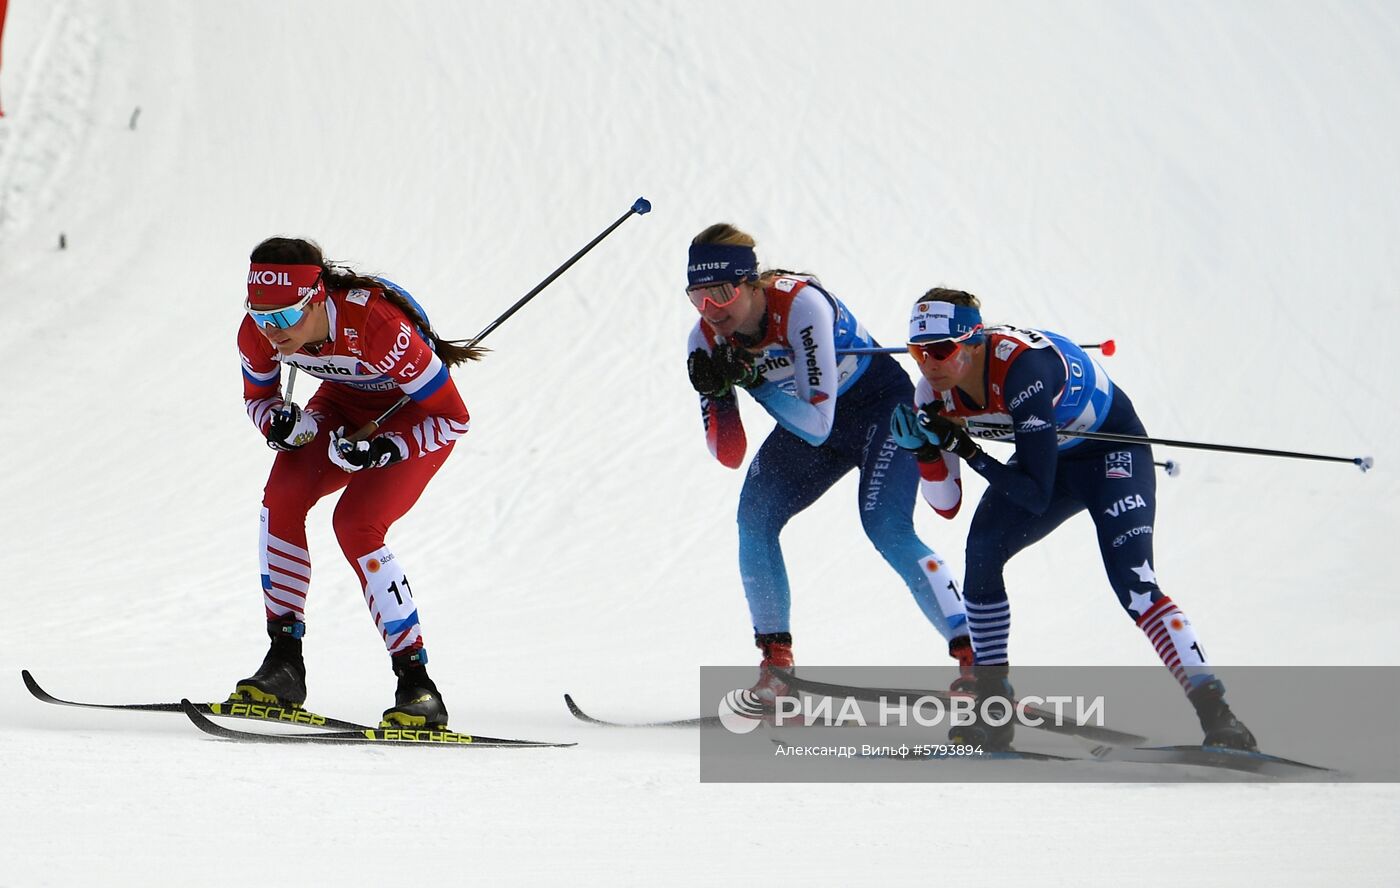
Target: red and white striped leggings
x,y
372,501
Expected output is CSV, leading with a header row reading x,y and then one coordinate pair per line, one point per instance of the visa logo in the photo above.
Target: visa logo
x,y
1126,504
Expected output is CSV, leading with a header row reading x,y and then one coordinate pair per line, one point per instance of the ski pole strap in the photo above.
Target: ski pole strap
x,y
1364,463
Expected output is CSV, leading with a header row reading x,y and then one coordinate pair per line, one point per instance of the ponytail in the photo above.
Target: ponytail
x,y
299,251
451,351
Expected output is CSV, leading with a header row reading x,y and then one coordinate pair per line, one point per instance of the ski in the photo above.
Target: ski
x,y
364,736
1219,757
704,721
1249,761
251,711
1003,755
1048,722
923,754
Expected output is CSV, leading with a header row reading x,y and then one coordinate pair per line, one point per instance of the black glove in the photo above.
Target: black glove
x,y
705,376
352,456
290,428
947,434
737,365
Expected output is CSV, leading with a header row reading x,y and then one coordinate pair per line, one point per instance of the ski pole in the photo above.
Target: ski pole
x,y
1172,467
1362,462
287,395
1107,347
640,207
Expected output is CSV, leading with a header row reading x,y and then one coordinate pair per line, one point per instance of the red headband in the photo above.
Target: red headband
x,y
281,285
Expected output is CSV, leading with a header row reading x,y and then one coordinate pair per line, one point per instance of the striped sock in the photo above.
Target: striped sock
x,y
1175,642
989,625
286,578
390,601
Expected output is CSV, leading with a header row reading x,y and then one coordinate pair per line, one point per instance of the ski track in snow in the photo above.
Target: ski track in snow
x,y
1212,186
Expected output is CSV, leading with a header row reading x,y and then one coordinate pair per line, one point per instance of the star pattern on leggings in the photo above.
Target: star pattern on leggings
x,y
1144,573
1140,603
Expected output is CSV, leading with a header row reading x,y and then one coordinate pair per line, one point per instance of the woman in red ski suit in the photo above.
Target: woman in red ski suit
x,y
370,344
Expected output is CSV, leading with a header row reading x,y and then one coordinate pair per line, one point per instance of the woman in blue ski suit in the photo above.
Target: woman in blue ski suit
x,y
1035,385
780,336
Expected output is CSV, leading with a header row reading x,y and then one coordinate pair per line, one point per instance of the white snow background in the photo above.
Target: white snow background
x,y
1214,185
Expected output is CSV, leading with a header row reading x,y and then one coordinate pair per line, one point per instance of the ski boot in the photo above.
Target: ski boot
x,y
993,691
281,679
960,649
417,703
777,651
1217,721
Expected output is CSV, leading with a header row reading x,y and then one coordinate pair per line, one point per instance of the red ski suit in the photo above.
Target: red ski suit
x,y
374,355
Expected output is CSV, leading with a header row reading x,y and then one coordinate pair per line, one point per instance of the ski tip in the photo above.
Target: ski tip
x,y
576,711
34,689
199,720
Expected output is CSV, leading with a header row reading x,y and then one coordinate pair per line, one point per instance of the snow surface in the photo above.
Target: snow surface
x,y
1212,185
